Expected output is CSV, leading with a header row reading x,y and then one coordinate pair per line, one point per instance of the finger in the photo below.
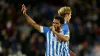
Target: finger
x,y
22,9
23,5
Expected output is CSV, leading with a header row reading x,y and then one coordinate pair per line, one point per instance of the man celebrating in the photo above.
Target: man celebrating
x,y
55,35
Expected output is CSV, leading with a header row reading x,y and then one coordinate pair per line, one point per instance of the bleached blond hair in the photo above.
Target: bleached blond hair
x,y
64,10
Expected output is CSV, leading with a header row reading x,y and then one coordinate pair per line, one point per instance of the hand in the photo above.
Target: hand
x,y
24,9
52,28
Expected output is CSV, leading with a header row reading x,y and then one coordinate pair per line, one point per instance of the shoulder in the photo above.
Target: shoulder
x,y
65,26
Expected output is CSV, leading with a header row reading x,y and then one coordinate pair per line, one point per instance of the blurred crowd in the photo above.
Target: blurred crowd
x,y
18,38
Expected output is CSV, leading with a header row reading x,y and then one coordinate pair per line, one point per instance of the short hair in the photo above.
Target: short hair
x,y
60,18
64,10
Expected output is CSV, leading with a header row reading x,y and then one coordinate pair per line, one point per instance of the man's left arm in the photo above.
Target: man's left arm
x,y
60,36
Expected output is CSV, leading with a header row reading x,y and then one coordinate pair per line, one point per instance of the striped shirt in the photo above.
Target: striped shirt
x,y
65,51
54,46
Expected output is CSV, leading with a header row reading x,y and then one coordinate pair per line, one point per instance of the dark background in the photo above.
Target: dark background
x,y
18,38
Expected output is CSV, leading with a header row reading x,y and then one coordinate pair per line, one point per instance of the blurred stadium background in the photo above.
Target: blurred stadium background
x,y
18,38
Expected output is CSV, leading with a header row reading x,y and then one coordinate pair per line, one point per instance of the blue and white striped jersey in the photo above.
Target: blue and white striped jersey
x,y
66,44
54,46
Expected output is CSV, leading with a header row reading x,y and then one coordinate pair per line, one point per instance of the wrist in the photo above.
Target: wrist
x,y
25,14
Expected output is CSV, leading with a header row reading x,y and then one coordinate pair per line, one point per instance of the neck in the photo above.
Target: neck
x,y
66,20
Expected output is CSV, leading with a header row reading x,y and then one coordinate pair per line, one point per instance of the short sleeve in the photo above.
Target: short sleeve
x,y
65,26
44,29
66,30
66,33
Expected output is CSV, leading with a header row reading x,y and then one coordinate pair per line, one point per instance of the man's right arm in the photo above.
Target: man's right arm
x,y
29,20
32,22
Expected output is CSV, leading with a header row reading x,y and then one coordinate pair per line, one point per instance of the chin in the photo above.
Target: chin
x,y
58,30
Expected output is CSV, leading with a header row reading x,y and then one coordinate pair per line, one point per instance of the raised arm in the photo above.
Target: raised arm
x,y
62,37
29,20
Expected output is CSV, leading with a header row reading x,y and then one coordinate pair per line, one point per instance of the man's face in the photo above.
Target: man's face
x,y
57,25
68,17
